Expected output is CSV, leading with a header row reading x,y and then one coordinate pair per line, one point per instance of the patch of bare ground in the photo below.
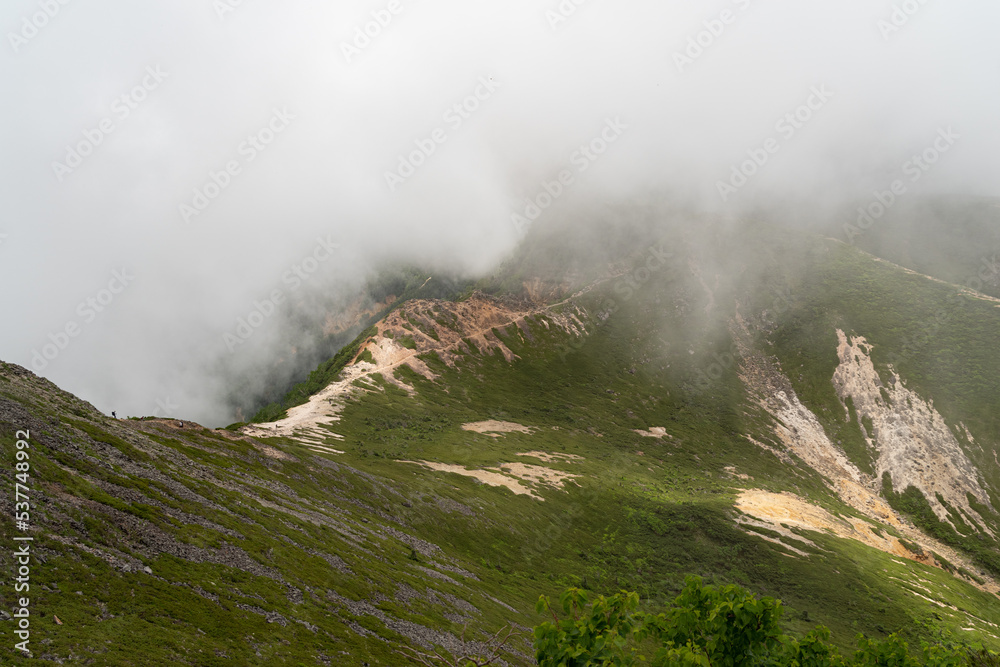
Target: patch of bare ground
x,y
553,457
490,477
492,427
308,421
508,475
538,474
653,432
452,329
775,509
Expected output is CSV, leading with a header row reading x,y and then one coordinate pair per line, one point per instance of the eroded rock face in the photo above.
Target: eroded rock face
x,y
447,328
914,444
915,439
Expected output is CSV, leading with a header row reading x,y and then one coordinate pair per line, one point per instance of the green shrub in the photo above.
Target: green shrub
x,y
710,626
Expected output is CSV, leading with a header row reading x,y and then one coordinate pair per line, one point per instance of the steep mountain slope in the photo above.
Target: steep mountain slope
x,y
742,404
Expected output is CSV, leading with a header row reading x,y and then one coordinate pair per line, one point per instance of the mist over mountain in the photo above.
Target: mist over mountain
x,y
209,151
360,334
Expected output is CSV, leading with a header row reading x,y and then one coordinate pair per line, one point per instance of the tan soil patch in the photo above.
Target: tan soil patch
x,y
786,508
538,474
654,432
747,521
452,330
553,457
485,476
493,427
323,408
508,475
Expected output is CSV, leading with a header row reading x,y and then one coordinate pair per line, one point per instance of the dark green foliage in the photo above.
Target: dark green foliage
x,y
912,503
712,626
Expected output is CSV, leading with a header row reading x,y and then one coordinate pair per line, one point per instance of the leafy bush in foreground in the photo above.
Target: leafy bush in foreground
x,y
708,627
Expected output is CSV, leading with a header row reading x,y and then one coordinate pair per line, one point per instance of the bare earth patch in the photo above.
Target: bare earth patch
x,y
306,421
553,457
657,432
484,476
508,475
323,450
786,508
493,427
538,474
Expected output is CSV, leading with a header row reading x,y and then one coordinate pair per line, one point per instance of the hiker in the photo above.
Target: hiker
x,y
113,414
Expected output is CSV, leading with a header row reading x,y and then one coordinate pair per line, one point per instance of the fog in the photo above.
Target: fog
x,y
177,164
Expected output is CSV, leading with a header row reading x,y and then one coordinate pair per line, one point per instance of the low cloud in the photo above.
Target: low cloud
x,y
206,146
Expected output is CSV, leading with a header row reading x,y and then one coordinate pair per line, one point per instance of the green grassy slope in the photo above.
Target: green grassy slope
x,y
269,552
